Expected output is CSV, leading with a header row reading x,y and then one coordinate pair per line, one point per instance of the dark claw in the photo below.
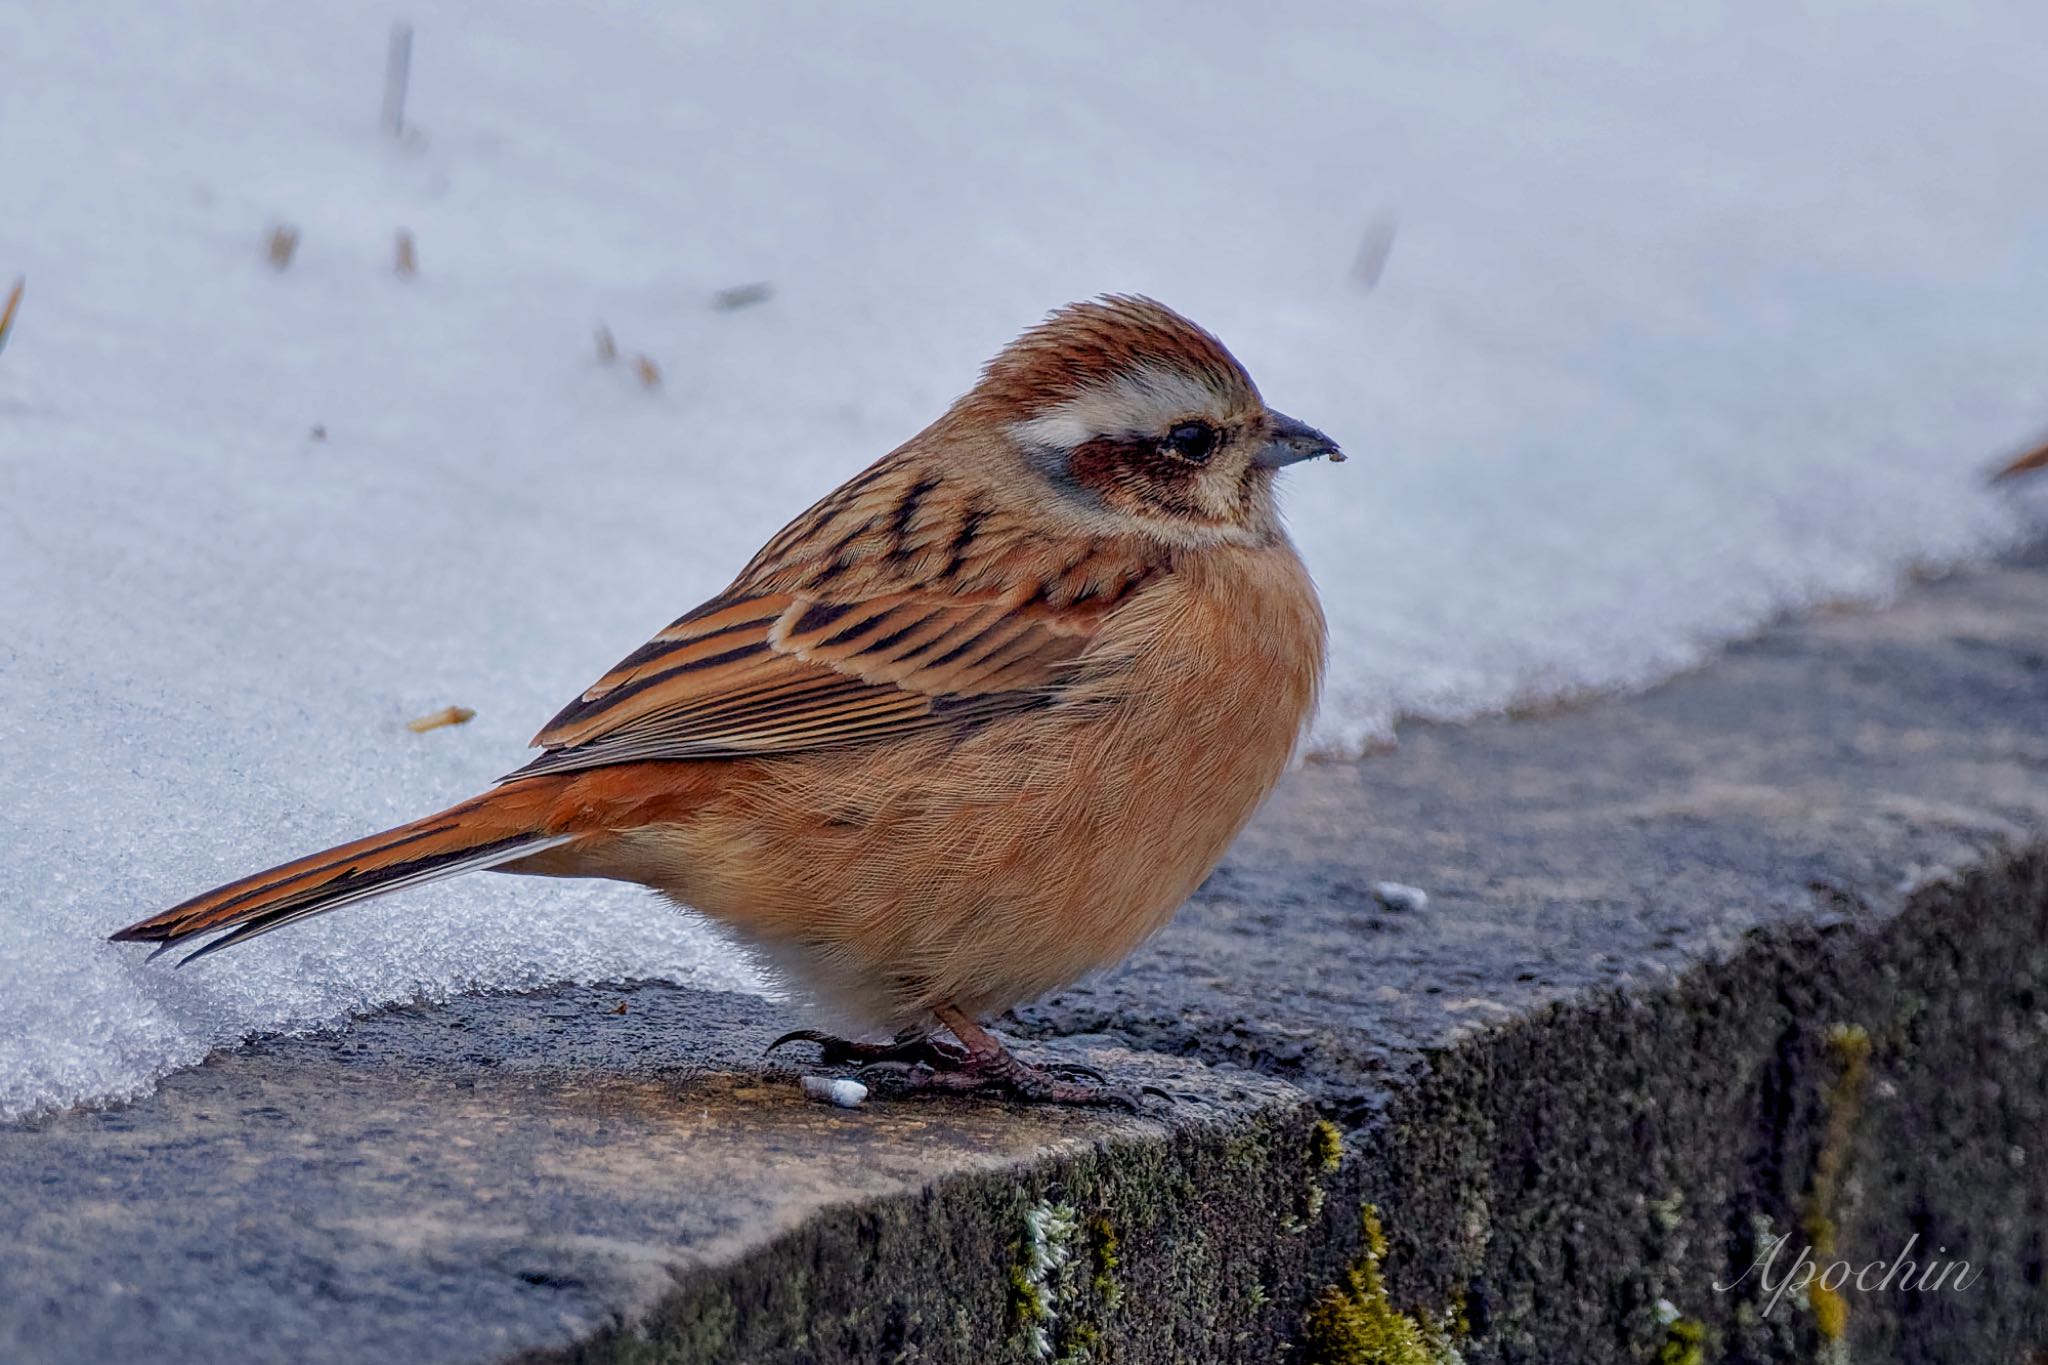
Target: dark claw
x,y
1031,1087
1126,1098
1134,1100
1121,1098
927,1063
802,1035
937,1051
916,1049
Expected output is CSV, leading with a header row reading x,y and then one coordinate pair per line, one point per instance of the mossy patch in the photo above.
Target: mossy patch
x,y
1037,1277
1102,1250
1354,1322
1325,1156
1059,1296
1685,1343
1685,1339
1325,1147
1842,1101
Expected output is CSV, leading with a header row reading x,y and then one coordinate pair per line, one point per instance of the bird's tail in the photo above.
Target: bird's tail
x,y
501,826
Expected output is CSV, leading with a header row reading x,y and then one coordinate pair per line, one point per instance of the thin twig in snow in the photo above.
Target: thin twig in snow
x,y
7,313
742,296
1371,261
397,74
2025,464
434,720
282,242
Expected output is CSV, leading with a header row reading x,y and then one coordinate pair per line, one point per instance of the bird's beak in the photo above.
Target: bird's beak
x,y
1290,442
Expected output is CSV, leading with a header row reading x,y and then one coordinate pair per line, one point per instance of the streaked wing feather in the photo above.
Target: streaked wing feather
x,y
783,672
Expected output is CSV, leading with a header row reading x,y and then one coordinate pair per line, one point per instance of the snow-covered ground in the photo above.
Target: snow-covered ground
x,y
1690,316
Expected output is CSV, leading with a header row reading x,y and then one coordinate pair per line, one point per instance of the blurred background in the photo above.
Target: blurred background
x,y
341,392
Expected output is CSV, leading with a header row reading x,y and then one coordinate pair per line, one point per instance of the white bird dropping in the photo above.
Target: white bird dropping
x,y
1399,896
847,1094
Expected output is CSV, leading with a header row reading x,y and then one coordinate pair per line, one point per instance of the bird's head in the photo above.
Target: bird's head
x,y
1129,417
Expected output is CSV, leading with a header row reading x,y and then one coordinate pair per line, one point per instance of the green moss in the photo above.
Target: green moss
x,y
1459,1315
1102,1248
1027,1301
1685,1343
1842,1100
1354,1322
1081,1344
1039,1275
1325,1147
1195,1216
1325,1155
1058,1298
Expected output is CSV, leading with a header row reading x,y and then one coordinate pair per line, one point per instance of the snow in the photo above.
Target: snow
x,y
1691,316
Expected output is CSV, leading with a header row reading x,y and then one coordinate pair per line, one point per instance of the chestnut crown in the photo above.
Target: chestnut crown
x,y
1128,410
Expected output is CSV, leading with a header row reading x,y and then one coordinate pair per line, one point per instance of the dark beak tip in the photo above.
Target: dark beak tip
x,y
1291,441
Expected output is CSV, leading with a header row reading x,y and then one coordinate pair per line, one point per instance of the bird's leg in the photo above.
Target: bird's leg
x,y
912,1047
988,1065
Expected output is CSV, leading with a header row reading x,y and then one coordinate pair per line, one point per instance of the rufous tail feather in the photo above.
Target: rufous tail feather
x,y
498,827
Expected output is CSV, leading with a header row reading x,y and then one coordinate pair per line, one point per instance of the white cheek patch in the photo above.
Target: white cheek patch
x,y
1143,402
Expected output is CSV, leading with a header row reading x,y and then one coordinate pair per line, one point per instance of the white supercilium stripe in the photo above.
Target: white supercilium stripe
x,y
1143,402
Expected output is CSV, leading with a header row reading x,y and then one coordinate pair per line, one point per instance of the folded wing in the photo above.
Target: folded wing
x,y
776,673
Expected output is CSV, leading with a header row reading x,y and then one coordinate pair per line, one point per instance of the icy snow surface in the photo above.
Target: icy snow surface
x,y
1689,317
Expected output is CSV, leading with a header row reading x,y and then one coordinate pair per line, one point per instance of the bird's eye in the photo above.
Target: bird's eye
x,y
1192,441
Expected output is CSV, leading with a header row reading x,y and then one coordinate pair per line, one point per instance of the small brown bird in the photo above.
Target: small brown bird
x,y
971,727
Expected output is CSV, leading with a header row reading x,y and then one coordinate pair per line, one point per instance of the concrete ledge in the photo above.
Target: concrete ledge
x,y
513,1173
1764,951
